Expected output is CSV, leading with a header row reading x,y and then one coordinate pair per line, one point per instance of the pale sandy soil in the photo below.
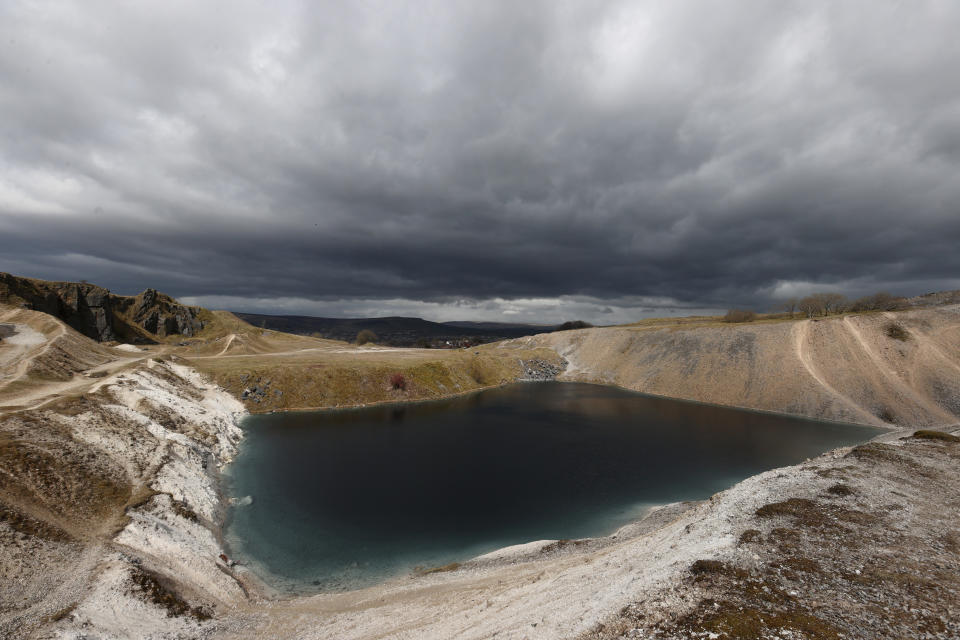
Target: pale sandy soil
x,y
110,515
845,369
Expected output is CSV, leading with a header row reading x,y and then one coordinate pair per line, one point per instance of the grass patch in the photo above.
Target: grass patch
x,y
896,332
701,567
728,621
181,509
150,586
560,544
799,564
750,536
841,490
878,452
930,434
809,513
27,525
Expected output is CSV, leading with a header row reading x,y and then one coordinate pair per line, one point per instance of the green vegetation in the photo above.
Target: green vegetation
x,y
366,336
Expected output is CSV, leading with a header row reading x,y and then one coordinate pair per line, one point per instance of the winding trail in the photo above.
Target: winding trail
x,y
26,345
891,376
927,343
801,334
20,349
226,347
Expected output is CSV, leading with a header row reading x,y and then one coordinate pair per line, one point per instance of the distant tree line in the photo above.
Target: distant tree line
x,y
825,304
740,315
574,324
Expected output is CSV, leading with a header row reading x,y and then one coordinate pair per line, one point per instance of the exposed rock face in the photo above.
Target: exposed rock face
x,y
538,369
161,315
98,314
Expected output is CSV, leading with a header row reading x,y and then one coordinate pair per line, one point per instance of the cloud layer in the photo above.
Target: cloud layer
x,y
441,155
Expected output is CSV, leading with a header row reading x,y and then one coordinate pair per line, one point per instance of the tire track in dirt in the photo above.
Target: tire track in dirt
x,y
891,376
226,347
801,331
927,343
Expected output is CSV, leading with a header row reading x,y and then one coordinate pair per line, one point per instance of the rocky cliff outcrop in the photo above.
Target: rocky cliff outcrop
x,y
161,315
101,315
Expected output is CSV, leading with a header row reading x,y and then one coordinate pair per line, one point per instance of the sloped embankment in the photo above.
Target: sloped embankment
x,y
880,369
110,512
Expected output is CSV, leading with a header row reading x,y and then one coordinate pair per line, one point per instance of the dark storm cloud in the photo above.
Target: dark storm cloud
x,y
481,156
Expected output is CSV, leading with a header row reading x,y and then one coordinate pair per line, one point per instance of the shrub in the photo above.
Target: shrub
x,y
574,324
751,535
930,434
897,332
398,381
366,336
740,315
881,301
707,566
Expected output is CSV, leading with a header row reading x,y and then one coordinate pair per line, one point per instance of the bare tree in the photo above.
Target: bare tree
x,y
810,306
833,302
881,301
790,305
822,304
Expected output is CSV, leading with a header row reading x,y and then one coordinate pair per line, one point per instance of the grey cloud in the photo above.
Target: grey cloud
x,y
482,151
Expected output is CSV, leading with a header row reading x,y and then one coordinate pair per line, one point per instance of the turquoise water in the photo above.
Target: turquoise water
x,y
342,499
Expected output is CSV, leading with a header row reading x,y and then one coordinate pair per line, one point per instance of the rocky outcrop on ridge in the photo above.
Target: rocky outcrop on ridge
x,y
161,315
101,315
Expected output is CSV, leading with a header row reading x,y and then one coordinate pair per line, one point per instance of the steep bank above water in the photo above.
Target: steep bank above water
x,y
93,549
109,506
848,368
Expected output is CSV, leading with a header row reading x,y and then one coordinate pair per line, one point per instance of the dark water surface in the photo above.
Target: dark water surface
x,y
341,499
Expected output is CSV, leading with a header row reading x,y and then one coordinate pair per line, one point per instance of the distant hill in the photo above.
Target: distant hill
x,y
499,325
395,330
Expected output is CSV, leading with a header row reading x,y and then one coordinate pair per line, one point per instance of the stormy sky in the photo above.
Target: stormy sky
x,y
518,161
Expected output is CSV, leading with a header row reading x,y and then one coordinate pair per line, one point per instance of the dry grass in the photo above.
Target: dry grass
x,y
152,588
929,434
896,331
306,373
